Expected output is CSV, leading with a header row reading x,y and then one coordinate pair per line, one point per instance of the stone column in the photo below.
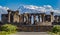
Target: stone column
x,y
9,16
43,15
52,16
23,18
39,18
34,19
26,19
29,19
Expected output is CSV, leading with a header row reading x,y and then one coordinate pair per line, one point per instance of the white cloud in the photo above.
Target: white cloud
x,y
30,7
57,11
6,8
3,9
44,8
47,6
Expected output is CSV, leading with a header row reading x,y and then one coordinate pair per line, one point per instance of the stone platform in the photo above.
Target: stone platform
x,y
34,28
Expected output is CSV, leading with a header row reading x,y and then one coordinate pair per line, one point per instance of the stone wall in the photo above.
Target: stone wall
x,y
35,28
32,28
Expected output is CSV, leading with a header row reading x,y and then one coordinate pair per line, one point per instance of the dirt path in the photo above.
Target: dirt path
x,y
31,33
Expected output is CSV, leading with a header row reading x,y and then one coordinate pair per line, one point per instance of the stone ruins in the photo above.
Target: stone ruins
x,y
39,19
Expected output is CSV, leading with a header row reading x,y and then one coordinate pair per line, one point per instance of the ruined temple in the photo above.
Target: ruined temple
x,y
41,21
14,16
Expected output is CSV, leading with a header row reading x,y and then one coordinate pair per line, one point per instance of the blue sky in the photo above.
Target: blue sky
x,y
14,4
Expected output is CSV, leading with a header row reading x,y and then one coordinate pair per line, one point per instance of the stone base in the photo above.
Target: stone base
x,y
44,23
34,28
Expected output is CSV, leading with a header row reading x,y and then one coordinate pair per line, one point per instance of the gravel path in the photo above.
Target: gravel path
x,y
31,33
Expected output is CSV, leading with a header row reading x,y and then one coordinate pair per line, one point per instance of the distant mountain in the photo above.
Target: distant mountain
x,y
32,9
38,9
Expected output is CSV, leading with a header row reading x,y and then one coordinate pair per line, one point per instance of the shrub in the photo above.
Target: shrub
x,y
8,28
56,29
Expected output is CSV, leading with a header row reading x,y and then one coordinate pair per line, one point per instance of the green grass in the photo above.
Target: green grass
x,y
58,33
8,29
6,33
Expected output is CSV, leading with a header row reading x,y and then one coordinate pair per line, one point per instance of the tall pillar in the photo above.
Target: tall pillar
x,y
52,16
34,19
23,18
43,16
9,14
29,19
26,19
39,18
